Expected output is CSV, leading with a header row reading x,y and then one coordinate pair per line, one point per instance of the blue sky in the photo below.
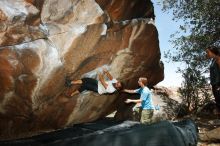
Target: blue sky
x,y
166,26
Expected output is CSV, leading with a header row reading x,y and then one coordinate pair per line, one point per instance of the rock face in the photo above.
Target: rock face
x,y
44,41
212,135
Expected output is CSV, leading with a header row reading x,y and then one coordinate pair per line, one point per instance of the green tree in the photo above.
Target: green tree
x,y
201,26
194,88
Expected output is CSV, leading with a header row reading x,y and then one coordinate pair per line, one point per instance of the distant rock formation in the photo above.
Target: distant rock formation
x,y
168,105
44,41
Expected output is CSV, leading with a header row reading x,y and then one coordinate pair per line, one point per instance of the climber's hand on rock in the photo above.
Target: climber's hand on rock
x,y
105,70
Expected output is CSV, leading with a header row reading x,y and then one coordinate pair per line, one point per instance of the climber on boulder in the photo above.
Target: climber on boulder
x,y
100,86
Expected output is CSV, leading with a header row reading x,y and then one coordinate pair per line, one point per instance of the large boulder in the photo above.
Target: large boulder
x,y
43,42
212,135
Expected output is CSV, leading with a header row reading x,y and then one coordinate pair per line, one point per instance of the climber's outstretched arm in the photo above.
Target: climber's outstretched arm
x,y
105,71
